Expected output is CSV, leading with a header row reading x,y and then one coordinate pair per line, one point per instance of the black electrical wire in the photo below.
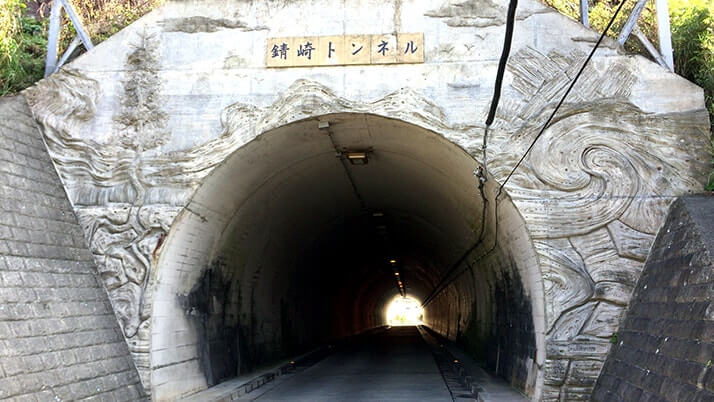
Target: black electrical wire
x,y
510,24
494,103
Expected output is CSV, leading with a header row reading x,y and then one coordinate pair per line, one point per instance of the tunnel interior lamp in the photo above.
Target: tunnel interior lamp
x,y
357,157
392,262
396,274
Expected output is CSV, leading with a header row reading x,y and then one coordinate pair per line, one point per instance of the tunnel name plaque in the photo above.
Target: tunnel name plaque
x,y
343,50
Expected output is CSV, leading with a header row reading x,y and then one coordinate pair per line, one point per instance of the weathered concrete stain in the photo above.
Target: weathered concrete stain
x,y
197,24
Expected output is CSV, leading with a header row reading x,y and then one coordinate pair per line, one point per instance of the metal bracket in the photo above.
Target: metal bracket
x,y
585,13
51,63
663,56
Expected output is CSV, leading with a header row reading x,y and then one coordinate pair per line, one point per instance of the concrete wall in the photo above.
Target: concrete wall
x,y
631,138
665,346
59,338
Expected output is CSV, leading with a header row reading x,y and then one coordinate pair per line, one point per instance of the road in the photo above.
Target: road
x,y
393,365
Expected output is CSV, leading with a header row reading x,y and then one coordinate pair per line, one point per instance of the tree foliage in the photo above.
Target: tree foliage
x,y
23,33
693,43
22,47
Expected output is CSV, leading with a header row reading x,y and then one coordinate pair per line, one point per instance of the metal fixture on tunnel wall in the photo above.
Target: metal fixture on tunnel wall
x,y
357,157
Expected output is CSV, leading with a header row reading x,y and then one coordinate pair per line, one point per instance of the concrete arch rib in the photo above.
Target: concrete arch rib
x,y
283,246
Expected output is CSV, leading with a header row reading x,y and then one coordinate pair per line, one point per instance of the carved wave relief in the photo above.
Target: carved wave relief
x,y
593,192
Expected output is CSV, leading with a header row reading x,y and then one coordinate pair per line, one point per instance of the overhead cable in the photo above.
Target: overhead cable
x,y
448,278
483,172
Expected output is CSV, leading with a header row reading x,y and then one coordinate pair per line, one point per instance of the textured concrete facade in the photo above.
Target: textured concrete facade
x,y
665,346
139,127
59,338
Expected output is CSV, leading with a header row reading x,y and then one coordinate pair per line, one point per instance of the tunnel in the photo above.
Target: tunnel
x,y
306,233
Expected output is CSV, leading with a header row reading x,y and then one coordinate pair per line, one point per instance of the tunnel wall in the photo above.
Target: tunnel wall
x,y
593,193
663,349
488,309
274,262
59,338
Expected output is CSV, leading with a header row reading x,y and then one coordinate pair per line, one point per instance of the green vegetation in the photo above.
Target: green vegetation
x,y
23,33
22,47
104,18
693,43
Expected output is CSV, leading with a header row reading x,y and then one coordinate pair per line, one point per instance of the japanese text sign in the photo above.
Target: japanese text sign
x,y
345,50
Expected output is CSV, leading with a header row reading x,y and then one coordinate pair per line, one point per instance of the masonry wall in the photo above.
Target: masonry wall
x,y
59,338
665,346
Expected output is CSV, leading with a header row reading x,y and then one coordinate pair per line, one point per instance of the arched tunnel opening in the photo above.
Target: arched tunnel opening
x,y
307,233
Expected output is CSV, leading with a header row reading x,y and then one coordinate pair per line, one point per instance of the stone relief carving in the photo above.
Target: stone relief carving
x,y
107,183
126,194
481,13
591,193
197,24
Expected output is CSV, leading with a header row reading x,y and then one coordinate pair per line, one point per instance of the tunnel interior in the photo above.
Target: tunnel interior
x,y
304,235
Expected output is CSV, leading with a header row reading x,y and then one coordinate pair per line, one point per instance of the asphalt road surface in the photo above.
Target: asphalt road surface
x,y
393,365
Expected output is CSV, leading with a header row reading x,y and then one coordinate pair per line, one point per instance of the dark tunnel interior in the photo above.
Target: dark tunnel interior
x,y
301,247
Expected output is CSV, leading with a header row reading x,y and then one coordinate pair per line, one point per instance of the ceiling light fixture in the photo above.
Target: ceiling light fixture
x,y
357,157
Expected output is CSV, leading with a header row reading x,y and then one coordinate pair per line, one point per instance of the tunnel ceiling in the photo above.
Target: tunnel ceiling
x,y
293,194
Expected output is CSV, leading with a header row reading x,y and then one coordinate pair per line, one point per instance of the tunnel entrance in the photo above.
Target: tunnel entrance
x,y
307,233
404,310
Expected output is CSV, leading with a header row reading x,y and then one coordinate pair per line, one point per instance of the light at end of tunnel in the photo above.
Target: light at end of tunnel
x,y
404,311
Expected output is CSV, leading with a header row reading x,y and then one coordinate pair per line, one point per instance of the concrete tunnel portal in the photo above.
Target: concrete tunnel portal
x,y
295,240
